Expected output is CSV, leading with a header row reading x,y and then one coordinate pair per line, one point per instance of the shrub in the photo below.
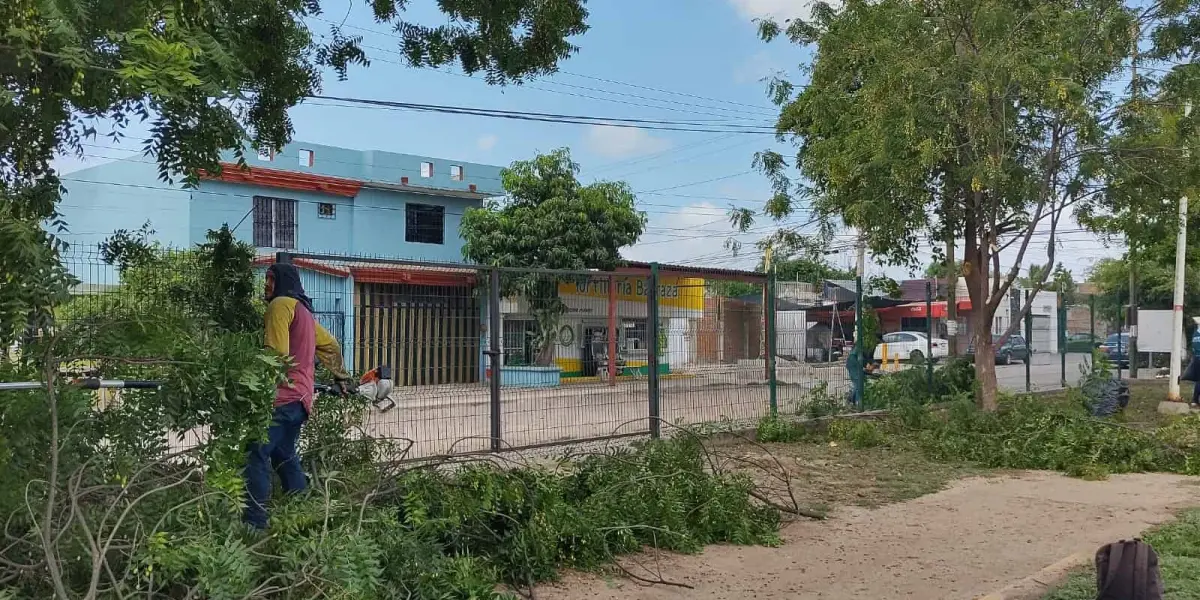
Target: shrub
x,y
955,377
1030,433
774,429
426,532
858,433
820,403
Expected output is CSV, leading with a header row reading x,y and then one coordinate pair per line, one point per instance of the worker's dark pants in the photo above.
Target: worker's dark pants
x,y
278,453
1196,393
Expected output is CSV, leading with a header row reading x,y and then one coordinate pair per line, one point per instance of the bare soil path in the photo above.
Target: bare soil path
x,y
977,535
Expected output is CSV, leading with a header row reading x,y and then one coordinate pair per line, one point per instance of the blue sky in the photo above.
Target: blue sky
x,y
703,59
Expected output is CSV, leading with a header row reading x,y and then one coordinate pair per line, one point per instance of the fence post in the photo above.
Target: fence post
x,y
1092,317
612,331
493,353
856,373
1119,336
771,334
652,356
929,337
1028,344
1062,337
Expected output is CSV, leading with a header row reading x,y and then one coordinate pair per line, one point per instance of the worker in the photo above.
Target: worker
x,y
1192,373
293,332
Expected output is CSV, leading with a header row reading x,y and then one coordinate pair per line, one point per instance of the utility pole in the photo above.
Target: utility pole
x,y
1132,319
1133,281
1180,268
951,296
861,270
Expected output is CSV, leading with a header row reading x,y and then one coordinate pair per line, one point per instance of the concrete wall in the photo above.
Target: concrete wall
x,y
380,166
378,226
1045,318
123,195
216,203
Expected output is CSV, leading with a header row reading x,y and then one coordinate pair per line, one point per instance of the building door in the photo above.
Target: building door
x,y
1043,335
594,342
428,334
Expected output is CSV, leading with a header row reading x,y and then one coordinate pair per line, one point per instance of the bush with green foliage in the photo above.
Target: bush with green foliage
x,y
951,379
1030,433
424,531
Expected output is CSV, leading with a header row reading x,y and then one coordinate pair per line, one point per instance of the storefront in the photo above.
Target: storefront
x,y
593,311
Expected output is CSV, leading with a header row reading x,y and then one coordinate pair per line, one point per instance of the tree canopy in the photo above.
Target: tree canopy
x,y
548,220
1058,280
206,76
963,118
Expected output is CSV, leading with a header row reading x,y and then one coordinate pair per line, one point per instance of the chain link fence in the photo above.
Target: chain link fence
x,y
487,359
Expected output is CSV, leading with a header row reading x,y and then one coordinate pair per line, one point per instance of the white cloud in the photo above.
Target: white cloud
x,y
623,142
486,142
778,9
757,67
693,235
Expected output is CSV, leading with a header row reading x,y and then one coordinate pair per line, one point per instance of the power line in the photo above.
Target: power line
x,y
765,110
654,124
671,92
683,185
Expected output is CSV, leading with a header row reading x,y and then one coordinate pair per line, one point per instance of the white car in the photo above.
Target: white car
x,y
910,345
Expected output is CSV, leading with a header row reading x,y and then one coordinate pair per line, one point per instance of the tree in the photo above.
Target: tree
x,y
550,221
1057,280
938,270
208,76
811,269
923,120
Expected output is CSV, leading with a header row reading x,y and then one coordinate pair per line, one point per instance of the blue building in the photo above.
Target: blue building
x,y
310,198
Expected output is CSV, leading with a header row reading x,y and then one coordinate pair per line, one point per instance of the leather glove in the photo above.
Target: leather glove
x,y
344,387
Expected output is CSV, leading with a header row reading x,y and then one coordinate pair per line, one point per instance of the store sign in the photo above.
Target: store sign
x,y
679,292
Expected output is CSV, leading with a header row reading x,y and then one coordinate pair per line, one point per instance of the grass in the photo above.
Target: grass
x,y
833,473
861,463
1142,412
1178,547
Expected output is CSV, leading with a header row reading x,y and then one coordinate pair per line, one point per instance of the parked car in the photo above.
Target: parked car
x,y
1082,342
910,345
1116,348
1014,348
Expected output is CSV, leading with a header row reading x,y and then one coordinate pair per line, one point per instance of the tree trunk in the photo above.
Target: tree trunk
x,y
545,356
976,266
985,365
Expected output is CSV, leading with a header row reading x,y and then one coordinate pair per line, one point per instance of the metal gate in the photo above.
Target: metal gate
x,y
428,334
1043,334
335,323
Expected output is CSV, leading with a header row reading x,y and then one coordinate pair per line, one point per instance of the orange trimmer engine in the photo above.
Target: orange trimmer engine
x,y
376,384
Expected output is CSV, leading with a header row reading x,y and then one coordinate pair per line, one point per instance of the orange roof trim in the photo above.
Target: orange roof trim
x,y
375,273
287,180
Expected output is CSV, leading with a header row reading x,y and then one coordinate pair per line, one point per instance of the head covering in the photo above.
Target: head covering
x,y
287,284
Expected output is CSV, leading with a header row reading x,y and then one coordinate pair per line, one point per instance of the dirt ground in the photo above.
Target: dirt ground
x,y
975,536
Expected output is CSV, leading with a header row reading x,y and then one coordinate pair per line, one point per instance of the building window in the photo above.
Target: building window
x,y
326,210
266,155
307,157
519,337
456,172
424,224
426,169
274,222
